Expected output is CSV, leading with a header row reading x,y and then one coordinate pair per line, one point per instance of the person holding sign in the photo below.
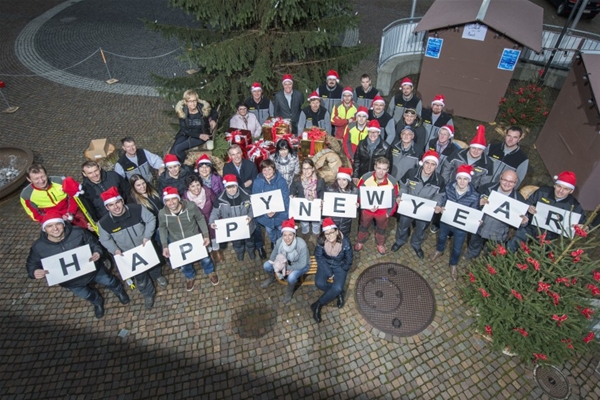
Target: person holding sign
x,y
180,220
494,229
377,178
127,227
235,202
560,196
308,185
204,199
269,179
58,237
289,258
368,150
343,184
426,183
460,191
334,258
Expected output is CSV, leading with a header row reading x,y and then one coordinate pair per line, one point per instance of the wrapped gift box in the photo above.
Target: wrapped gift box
x,y
241,137
313,141
259,151
273,129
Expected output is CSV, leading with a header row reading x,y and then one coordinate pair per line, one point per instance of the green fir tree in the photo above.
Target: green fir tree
x,y
237,43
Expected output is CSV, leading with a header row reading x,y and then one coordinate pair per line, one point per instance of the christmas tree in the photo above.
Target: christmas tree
x,y
239,42
537,303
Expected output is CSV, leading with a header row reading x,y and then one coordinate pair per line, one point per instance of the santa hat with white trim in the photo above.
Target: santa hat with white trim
x,y
170,193
566,179
406,81
111,195
348,90
287,78
289,225
450,129
439,99
332,74
479,139
170,160
314,96
230,180
374,126
51,217
362,110
344,173
465,170
430,155
203,160
328,224
255,86
378,99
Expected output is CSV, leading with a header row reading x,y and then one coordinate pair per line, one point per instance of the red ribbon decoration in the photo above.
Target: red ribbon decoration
x,y
560,319
314,134
2,85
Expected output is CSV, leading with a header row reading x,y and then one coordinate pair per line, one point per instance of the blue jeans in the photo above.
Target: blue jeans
x,y
103,278
257,236
207,265
457,241
273,233
332,290
182,143
292,278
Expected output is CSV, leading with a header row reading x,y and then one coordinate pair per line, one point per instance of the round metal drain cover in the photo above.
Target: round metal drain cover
x,y
552,381
395,299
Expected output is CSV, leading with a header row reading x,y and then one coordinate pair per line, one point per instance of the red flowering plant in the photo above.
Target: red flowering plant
x,y
525,105
540,302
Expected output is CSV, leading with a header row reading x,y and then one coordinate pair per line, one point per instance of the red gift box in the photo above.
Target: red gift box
x,y
259,151
241,137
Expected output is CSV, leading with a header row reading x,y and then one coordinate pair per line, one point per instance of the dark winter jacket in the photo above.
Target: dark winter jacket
x,y
128,230
344,224
545,195
434,189
230,207
261,185
189,222
91,196
482,168
178,183
364,161
431,127
248,172
343,260
491,228
404,159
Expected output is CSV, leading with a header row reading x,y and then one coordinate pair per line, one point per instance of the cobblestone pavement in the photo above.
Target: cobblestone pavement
x,y
233,340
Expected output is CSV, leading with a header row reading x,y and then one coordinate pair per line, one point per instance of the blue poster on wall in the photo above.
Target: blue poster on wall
x,y
434,47
508,60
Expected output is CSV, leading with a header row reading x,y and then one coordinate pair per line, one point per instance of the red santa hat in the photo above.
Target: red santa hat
x,y
170,160
255,86
479,139
230,180
439,99
286,78
314,96
379,99
348,90
51,217
170,193
362,110
204,159
374,126
332,74
430,155
450,130
406,81
465,170
328,224
111,195
289,225
566,179
344,173
71,187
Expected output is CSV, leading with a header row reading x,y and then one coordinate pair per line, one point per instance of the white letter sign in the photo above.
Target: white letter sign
x,y
416,207
137,260
505,209
230,229
375,196
339,204
267,202
462,217
305,210
186,251
68,265
555,219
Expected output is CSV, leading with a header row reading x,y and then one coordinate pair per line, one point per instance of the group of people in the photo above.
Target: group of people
x,y
406,148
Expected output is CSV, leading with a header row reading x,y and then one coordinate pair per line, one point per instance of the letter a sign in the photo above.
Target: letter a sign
x,y
137,260
186,251
68,265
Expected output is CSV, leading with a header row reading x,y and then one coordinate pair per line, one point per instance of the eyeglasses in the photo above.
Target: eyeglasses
x,y
331,232
507,181
191,101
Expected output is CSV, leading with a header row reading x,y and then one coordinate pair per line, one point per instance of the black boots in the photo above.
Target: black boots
x,y
99,309
316,309
340,299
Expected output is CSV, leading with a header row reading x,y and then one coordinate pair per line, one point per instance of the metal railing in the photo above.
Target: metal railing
x,y
398,39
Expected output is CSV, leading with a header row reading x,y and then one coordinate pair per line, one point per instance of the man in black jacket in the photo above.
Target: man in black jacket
x,y
508,155
174,175
288,102
57,237
95,181
368,150
435,117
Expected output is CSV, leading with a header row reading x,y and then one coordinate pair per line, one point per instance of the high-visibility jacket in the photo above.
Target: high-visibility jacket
x,y
352,136
342,116
37,202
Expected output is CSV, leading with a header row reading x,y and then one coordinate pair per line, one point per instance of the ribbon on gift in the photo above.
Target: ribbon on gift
x,y
258,149
315,134
237,136
293,140
279,125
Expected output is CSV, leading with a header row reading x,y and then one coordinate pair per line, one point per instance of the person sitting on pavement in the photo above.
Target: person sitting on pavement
x,y
197,121
235,202
58,236
45,194
492,229
473,155
405,98
174,175
180,220
245,120
378,177
260,106
460,191
124,228
355,132
205,200
435,117
96,180
314,115
290,256
308,185
368,150
137,161
286,161
334,259
344,184
425,182
561,196
208,174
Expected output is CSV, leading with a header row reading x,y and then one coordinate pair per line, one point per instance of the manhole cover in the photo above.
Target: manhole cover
x,y
552,381
395,299
254,322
